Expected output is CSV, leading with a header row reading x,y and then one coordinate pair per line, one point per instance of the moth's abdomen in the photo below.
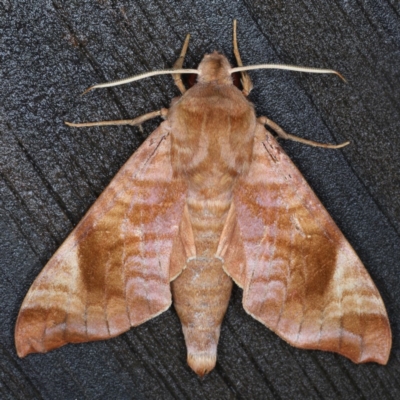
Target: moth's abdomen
x,y
207,218
201,293
201,296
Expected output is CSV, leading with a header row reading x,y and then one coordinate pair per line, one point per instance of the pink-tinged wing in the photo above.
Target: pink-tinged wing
x,y
302,279
113,271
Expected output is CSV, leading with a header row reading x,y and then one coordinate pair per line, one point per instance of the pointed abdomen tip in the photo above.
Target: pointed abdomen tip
x,y
202,363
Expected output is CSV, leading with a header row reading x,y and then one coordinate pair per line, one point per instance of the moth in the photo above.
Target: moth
x,y
209,199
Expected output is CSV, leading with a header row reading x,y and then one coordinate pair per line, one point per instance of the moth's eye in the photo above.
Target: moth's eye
x,y
189,79
236,80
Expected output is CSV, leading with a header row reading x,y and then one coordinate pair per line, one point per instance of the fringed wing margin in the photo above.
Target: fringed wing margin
x,y
113,271
301,278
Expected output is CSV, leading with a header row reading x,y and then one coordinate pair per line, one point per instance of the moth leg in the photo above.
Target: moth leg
x,y
245,80
282,134
178,64
136,121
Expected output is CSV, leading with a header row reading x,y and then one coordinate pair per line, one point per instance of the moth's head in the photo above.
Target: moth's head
x,y
214,67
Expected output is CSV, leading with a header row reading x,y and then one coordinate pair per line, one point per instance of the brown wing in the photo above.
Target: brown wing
x,y
113,271
302,279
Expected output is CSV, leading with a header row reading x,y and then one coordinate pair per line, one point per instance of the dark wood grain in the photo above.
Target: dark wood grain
x,y
50,174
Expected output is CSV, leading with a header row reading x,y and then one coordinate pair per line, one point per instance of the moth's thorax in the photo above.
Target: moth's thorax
x,y
212,128
214,67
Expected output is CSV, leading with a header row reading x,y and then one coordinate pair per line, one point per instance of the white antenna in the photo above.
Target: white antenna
x,y
289,68
141,76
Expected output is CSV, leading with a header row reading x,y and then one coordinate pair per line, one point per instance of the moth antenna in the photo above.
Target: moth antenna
x,y
141,76
289,68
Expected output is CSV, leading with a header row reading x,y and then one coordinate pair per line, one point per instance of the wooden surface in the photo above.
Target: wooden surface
x,y
50,174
